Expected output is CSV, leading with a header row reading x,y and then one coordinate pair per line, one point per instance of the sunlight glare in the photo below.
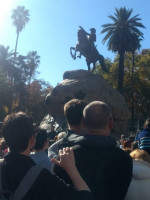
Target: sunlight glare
x,y
5,11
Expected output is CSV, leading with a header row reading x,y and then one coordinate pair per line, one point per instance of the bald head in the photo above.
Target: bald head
x,y
97,115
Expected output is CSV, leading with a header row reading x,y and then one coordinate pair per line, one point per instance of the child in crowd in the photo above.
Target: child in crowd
x,y
39,155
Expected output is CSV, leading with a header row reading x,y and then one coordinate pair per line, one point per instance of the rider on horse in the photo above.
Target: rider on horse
x,y
91,38
86,47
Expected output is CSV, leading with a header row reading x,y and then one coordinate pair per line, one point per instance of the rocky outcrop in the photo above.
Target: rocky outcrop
x,y
89,87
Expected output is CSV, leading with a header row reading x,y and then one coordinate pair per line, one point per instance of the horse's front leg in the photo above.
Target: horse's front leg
x,y
75,52
73,55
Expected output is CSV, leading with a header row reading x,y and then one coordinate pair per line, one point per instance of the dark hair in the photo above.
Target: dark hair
x,y
17,129
41,138
127,143
135,145
73,111
96,115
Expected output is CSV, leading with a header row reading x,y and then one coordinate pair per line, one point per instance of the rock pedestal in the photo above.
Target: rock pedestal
x,y
85,85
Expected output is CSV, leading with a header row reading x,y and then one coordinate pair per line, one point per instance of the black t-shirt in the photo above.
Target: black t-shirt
x,y
105,168
47,186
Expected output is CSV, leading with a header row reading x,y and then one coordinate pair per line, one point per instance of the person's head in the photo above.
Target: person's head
x,y
93,30
42,140
147,123
127,143
139,154
135,145
98,117
73,111
17,130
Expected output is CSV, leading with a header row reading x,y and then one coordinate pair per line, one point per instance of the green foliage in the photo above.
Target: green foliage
x,y
141,82
33,61
120,33
19,90
35,99
5,95
123,36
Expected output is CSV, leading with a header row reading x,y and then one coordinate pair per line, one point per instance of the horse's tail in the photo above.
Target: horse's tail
x,y
102,62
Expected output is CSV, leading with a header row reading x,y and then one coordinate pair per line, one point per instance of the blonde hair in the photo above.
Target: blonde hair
x,y
139,154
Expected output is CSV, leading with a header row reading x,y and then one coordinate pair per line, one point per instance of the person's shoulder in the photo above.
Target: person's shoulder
x,y
53,149
122,157
55,144
144,133
47,185
32,155
47,163
120,152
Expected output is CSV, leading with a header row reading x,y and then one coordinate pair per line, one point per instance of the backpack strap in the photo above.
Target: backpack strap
x,y
1,161
27,182
3,192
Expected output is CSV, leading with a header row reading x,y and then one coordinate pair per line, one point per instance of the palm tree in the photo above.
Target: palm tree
x,y
120,36
20,17
33,61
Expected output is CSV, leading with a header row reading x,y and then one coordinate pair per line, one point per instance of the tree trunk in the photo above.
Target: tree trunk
x,y
12,78
121,71
132,92
16,48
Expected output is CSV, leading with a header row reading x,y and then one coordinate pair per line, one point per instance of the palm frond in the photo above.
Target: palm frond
x,y
107,29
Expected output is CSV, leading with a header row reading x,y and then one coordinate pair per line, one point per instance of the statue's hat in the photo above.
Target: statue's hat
x,y
93,30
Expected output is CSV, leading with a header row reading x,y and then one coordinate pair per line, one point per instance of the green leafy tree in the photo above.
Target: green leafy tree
x,y
35,99
140,96
5,96
134,46
20,17
25,70
6,61
121,36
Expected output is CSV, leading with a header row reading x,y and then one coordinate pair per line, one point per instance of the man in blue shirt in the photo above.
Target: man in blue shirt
x,y
144,137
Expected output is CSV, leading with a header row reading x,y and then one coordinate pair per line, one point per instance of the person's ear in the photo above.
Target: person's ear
x,y
46,144
32,141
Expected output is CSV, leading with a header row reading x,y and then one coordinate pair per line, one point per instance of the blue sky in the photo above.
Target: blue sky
x,y
53,26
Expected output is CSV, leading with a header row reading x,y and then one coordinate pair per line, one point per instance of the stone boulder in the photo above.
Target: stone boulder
x,y
85,85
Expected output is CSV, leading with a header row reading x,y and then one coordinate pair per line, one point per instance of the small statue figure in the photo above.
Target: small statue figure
x,y
86,47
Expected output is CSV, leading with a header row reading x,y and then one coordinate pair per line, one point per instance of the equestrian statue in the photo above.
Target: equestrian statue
x,y
86,47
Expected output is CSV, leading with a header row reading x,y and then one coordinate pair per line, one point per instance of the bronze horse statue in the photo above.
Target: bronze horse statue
x,y
88,50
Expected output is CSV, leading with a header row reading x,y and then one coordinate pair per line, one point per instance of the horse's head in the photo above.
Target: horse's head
x,y
82,35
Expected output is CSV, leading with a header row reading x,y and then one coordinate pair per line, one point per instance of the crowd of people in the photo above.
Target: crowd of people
x,y
84,162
